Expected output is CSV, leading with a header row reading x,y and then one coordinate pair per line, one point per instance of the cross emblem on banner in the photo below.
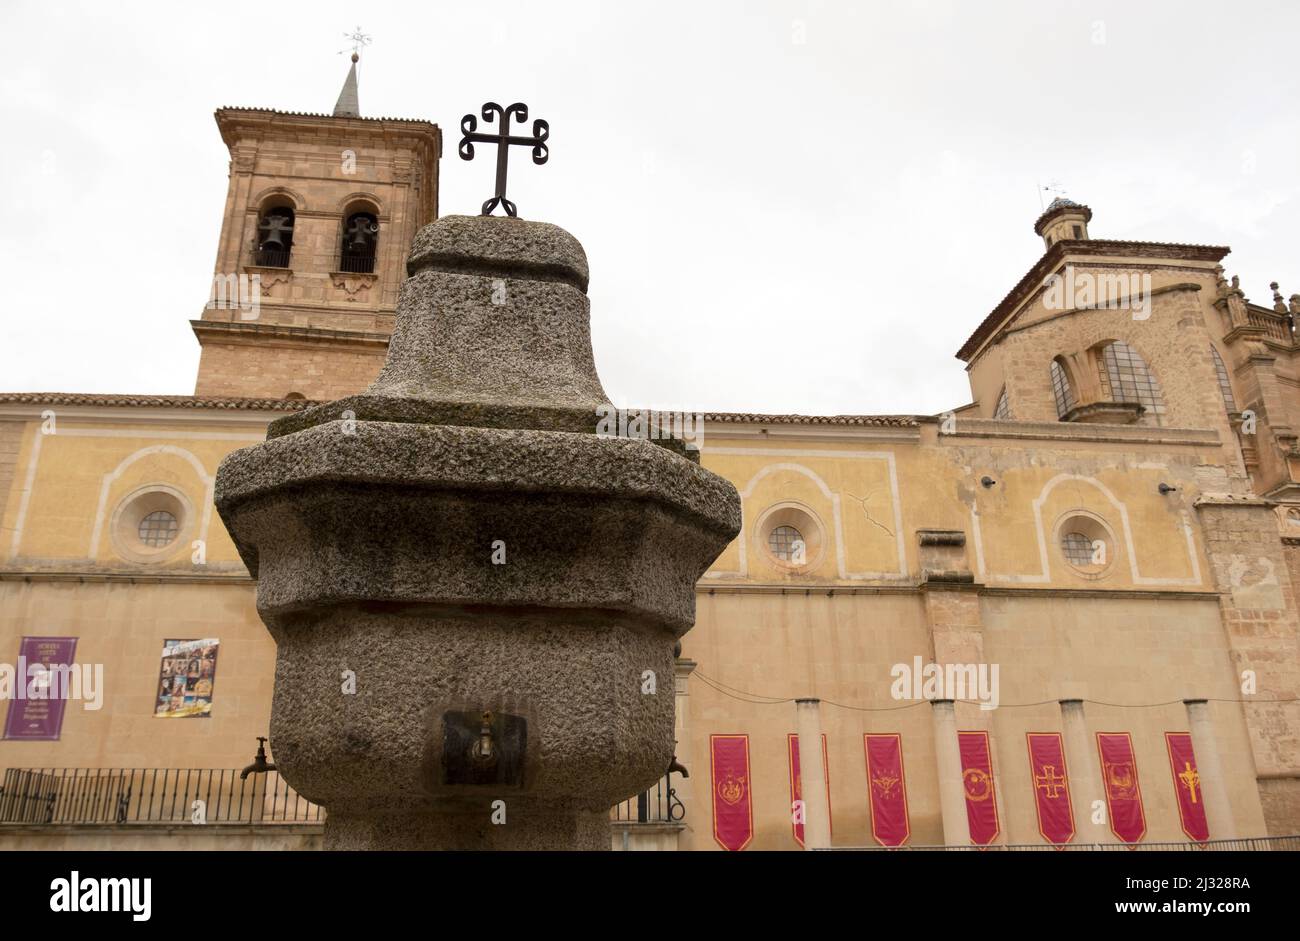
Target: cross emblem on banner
x,y
503,139
1051,782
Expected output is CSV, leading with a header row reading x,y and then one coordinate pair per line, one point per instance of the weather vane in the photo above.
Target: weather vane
x,y
359,41
1054,187
503,139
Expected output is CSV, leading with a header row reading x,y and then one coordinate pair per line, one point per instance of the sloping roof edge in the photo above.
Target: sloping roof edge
x,y
1054,255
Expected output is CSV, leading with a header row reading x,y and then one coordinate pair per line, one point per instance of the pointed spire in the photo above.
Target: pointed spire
x,y
347,105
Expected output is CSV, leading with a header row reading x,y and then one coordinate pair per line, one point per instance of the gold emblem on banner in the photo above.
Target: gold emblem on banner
x,y
731,788
1122,780
885,784
978,785
1191,779
1050,782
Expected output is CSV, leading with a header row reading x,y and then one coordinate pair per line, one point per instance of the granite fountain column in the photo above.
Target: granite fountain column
x,y
499,579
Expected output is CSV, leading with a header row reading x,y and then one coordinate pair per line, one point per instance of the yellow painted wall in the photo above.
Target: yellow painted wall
x,y
1148,631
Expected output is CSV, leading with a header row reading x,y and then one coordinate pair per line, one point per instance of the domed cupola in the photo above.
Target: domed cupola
x,y
1063,220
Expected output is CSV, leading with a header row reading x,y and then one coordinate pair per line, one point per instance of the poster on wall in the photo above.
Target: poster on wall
x,y
36,704
186,678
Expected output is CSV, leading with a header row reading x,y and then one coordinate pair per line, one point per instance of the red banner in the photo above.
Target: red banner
x,y
733,809
1119,775
887,785
796,784
977,782
1187,785
1051,786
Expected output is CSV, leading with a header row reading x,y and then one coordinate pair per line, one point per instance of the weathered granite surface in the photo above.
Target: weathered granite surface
x,y
371,525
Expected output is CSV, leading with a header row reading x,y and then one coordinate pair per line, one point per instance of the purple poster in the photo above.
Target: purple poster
x,y
37,698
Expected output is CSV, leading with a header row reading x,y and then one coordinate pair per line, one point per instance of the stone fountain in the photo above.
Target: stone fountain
x,y
466,583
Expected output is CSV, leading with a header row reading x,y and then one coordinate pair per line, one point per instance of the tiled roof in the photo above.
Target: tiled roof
x,y
318,114
293,405
152,401
898,421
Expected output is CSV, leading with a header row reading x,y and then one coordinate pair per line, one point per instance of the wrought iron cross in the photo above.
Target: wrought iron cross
x,y
503,139
359,41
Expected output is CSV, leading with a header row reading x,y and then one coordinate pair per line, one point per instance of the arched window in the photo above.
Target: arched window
x,y
360,241
274,237
1061,389
1125,377
1003,410
1225,385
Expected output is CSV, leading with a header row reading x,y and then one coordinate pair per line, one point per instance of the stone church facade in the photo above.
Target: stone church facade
x,y
1113,522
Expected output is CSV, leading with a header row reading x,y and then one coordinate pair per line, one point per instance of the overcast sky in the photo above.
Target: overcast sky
x,y
788,206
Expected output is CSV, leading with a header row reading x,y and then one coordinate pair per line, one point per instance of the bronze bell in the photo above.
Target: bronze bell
x,y
274,229
360,231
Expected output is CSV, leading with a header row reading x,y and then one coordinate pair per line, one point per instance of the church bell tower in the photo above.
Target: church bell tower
x,y
320,214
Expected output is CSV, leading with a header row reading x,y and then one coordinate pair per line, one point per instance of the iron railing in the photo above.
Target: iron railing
x,y
149,795
356,264
271,259
659,804
1254,843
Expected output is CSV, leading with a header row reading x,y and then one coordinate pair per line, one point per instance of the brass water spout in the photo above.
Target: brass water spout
x,y
260,765
484,751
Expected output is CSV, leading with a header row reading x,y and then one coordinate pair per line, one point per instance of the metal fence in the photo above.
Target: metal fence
x,y
1256,843
149,795
271,258
356,264
659,804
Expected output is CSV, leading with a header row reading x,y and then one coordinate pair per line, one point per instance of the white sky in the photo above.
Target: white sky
x,y
772,225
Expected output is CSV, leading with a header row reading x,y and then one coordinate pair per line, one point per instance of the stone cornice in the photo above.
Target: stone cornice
x,y
240,577
235,123
709,587
29,403
1075,431
237,331
1233,500
701,587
